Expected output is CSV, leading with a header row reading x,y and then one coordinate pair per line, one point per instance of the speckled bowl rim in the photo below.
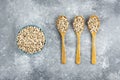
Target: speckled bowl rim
x,y
24,28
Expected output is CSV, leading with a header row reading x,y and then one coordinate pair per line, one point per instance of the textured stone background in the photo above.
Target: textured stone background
x,y
16,65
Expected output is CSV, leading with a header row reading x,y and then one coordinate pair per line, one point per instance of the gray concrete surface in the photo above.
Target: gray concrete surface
x,y
45,65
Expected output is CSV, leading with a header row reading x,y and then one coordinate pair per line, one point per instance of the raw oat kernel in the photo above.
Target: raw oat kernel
x,y
93,23
62,24
78,24
30,39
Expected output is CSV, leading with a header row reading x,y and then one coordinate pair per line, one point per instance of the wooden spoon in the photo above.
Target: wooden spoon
x,y
78,26
93,25
62,26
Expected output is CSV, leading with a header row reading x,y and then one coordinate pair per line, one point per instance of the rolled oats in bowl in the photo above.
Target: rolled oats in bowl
x,y
31,39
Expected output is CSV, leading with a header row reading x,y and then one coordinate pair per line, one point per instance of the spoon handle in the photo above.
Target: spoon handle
x,y
78,49
63,50
93,48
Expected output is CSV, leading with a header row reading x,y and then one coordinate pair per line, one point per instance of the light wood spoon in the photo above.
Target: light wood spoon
x,y
93,25
78,26
62,26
